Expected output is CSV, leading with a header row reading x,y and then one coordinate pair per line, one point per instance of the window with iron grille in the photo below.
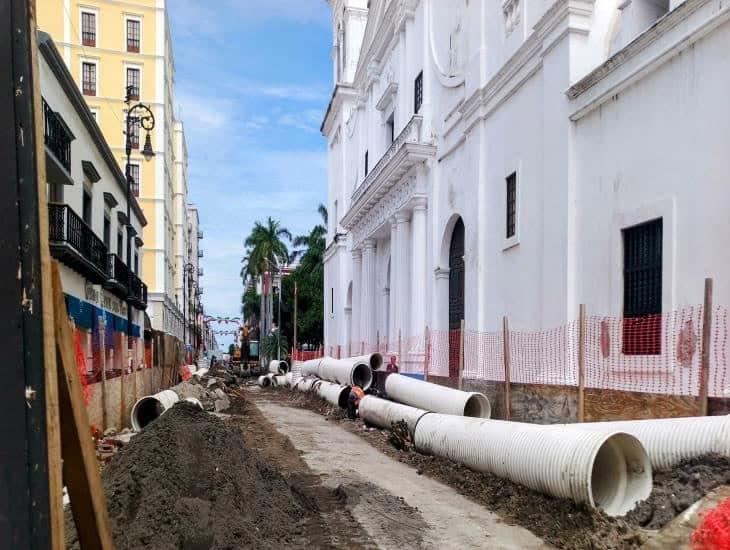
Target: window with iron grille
x,y
511,205
88,29
134,176
642,323
366,163
133,83
134,134
418,93
88,78
133,35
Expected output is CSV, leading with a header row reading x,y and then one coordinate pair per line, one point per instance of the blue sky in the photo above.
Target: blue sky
x,y
253,78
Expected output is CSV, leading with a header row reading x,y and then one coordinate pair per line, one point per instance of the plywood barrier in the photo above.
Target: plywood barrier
x,y
621,405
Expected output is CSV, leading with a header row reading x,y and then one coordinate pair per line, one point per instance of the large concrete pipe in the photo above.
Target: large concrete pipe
x,y
383,413
375,360
279,380
669,441
435,398
610,471
278,367
307,384
310,368
263,381
342,371
151,407
334,394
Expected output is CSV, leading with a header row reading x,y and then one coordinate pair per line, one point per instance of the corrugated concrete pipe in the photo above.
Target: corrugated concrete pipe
x,y
383,413
278,367
263,381
375,360
610,471
306,384
151,407
435,398
279,380
343,371
334,394
669,441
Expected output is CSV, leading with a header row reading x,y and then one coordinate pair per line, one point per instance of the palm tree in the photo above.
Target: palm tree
x,y
265,246
314,244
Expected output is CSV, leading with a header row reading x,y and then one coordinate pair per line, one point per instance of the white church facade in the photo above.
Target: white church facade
x,y
520,158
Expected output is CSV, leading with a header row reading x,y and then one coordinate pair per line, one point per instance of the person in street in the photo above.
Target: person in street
x,y
392,365
353,401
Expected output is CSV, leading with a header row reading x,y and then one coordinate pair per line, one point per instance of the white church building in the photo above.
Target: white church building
x,y
522,157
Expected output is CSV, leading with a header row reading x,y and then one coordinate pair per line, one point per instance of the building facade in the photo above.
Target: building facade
x,y
89,231
110,48
520,158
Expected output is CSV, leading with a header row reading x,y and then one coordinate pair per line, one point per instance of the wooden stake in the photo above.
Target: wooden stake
x,y
426,352
80,468
507,371
706,335
461,353
581,362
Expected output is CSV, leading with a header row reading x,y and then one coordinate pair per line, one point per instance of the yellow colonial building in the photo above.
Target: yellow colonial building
x,y
113,47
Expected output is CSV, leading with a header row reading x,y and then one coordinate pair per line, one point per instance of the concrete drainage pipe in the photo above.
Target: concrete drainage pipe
x,y
333,393
279,380
345,372
278,367
669,441
263,381
435,398
375,360
610,471
306,384
310,368
151,407
383,413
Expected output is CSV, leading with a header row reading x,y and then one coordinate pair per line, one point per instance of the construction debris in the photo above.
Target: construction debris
x,y
189,481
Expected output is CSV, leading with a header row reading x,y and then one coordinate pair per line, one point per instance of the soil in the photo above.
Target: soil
x,y
677,489
189,481
559,522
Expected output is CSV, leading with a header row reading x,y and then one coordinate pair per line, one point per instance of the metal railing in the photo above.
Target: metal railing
x,y
137,291
117,270
67,227
200,253
200,234
56,137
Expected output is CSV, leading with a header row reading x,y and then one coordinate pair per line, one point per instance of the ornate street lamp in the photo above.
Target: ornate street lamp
x,y
135,114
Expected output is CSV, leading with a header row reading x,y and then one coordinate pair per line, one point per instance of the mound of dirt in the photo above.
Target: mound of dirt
x,y
677,489
189,481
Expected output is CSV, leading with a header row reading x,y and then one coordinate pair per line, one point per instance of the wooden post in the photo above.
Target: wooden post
x,y
706,335
461,353
400,348
507,370
426,353
80,467
581,362
377,341
296,293
362,347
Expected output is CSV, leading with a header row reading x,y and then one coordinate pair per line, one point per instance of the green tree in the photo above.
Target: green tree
x,y
265,246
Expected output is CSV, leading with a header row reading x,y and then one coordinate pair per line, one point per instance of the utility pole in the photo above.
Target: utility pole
x,y
295,317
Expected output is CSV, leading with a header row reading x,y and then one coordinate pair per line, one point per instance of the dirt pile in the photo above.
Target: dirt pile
x,y
189,481
677,489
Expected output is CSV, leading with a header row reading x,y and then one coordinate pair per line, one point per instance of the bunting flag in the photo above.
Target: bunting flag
x,y
226,320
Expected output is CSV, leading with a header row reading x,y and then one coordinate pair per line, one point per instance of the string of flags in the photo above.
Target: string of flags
x,y
226,320
225,332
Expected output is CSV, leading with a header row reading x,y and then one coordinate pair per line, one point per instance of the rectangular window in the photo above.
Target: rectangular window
x,y
642,323
366,163
133,83
88,29
107,232
120,245
86,213
133,35
136,262
134,175
88,78
134,135
511,205
418,93
390,129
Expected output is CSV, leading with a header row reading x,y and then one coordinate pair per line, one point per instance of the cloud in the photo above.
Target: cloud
x,y
308,120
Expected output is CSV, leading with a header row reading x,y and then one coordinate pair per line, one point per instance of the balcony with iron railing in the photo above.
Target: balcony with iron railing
x,y
200,253
57,138
137,292
74,243
408,149
200,272
200,234
118,276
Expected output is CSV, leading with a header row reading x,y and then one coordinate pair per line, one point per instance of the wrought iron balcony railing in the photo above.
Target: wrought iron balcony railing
x,y
56,136
118,274
75,243
200,234
200,253
137,291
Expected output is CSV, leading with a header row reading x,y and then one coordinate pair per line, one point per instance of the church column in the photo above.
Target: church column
x,y
368,292
356,286
403,272
393,283
418,284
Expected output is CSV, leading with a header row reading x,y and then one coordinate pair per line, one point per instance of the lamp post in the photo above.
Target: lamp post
x,y
135,114
187,281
